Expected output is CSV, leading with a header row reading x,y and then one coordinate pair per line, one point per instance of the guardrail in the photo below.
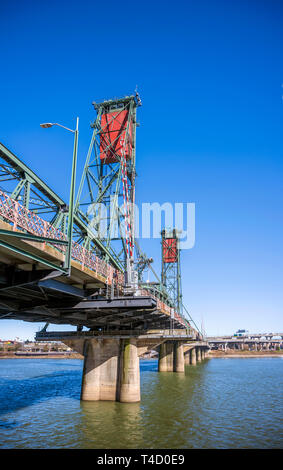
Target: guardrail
x,y
168,310
22,218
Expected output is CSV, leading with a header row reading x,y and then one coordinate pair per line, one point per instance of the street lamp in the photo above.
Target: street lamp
x,y
68,257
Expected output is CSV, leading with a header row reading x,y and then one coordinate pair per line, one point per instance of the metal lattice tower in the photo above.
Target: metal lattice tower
x,y
171,270
107,189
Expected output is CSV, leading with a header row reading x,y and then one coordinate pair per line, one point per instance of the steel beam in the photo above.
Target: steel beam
x,y
123,302
32,256
62,288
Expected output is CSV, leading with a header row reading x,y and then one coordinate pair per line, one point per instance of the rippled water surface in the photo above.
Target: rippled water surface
x,y
220,403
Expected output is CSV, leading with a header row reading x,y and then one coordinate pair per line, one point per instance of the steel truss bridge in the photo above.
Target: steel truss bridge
x,y
34,285
101,287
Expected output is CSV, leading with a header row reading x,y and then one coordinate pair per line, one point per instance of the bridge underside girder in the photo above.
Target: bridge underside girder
x,y
37,291
36,296
32,291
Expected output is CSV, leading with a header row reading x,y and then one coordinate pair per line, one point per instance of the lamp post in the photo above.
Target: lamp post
x,y
68,257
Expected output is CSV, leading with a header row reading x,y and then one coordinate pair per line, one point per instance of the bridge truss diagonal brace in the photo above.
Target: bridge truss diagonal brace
x,y
32,256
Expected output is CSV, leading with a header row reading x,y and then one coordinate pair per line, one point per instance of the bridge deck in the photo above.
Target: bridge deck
x,y
81,276
35,287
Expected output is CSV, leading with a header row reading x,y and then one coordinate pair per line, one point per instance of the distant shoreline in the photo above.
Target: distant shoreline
x,y
220,354
45,356
244,356
212,354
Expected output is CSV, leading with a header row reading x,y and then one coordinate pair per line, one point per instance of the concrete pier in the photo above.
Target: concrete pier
x,y
187,358
162,359
100,372
111,370
109,357
90,389
130,372
111,361
166,357
198,354
193,358
171,357
179,360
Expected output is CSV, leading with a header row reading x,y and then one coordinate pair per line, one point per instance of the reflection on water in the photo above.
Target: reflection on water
x,y
122,424
231,403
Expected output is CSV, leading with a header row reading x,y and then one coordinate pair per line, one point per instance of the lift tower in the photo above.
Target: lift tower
x,y
106,194
171,270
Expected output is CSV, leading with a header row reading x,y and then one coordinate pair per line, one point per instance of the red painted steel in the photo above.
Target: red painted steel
x,y
170,254
116,146
113,136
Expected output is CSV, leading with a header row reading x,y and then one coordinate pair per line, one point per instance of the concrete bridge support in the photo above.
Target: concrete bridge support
x,y
166,357
111,370
187,358
90,388
179,360
130,372
100,372
193,357
171,357
198,354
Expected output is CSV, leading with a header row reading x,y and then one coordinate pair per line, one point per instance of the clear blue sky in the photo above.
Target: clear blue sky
x,y
210,75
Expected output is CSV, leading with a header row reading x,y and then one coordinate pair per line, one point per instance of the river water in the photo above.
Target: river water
x,y
220,403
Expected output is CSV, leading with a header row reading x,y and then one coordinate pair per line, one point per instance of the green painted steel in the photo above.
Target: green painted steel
x,y
171,272
22,184
33,257
102,183
22,169
68,257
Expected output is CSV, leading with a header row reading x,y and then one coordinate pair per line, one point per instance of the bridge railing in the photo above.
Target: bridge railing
x,y
22,218
167,309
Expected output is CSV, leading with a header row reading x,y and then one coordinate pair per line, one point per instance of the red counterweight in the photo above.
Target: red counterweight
x,y
113,135
169,246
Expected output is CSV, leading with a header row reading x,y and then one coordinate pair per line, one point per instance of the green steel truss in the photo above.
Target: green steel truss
x,y
20,183
171,271
23,185
101,184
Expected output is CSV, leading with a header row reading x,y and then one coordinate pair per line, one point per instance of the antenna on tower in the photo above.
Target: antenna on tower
x,y
138,99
